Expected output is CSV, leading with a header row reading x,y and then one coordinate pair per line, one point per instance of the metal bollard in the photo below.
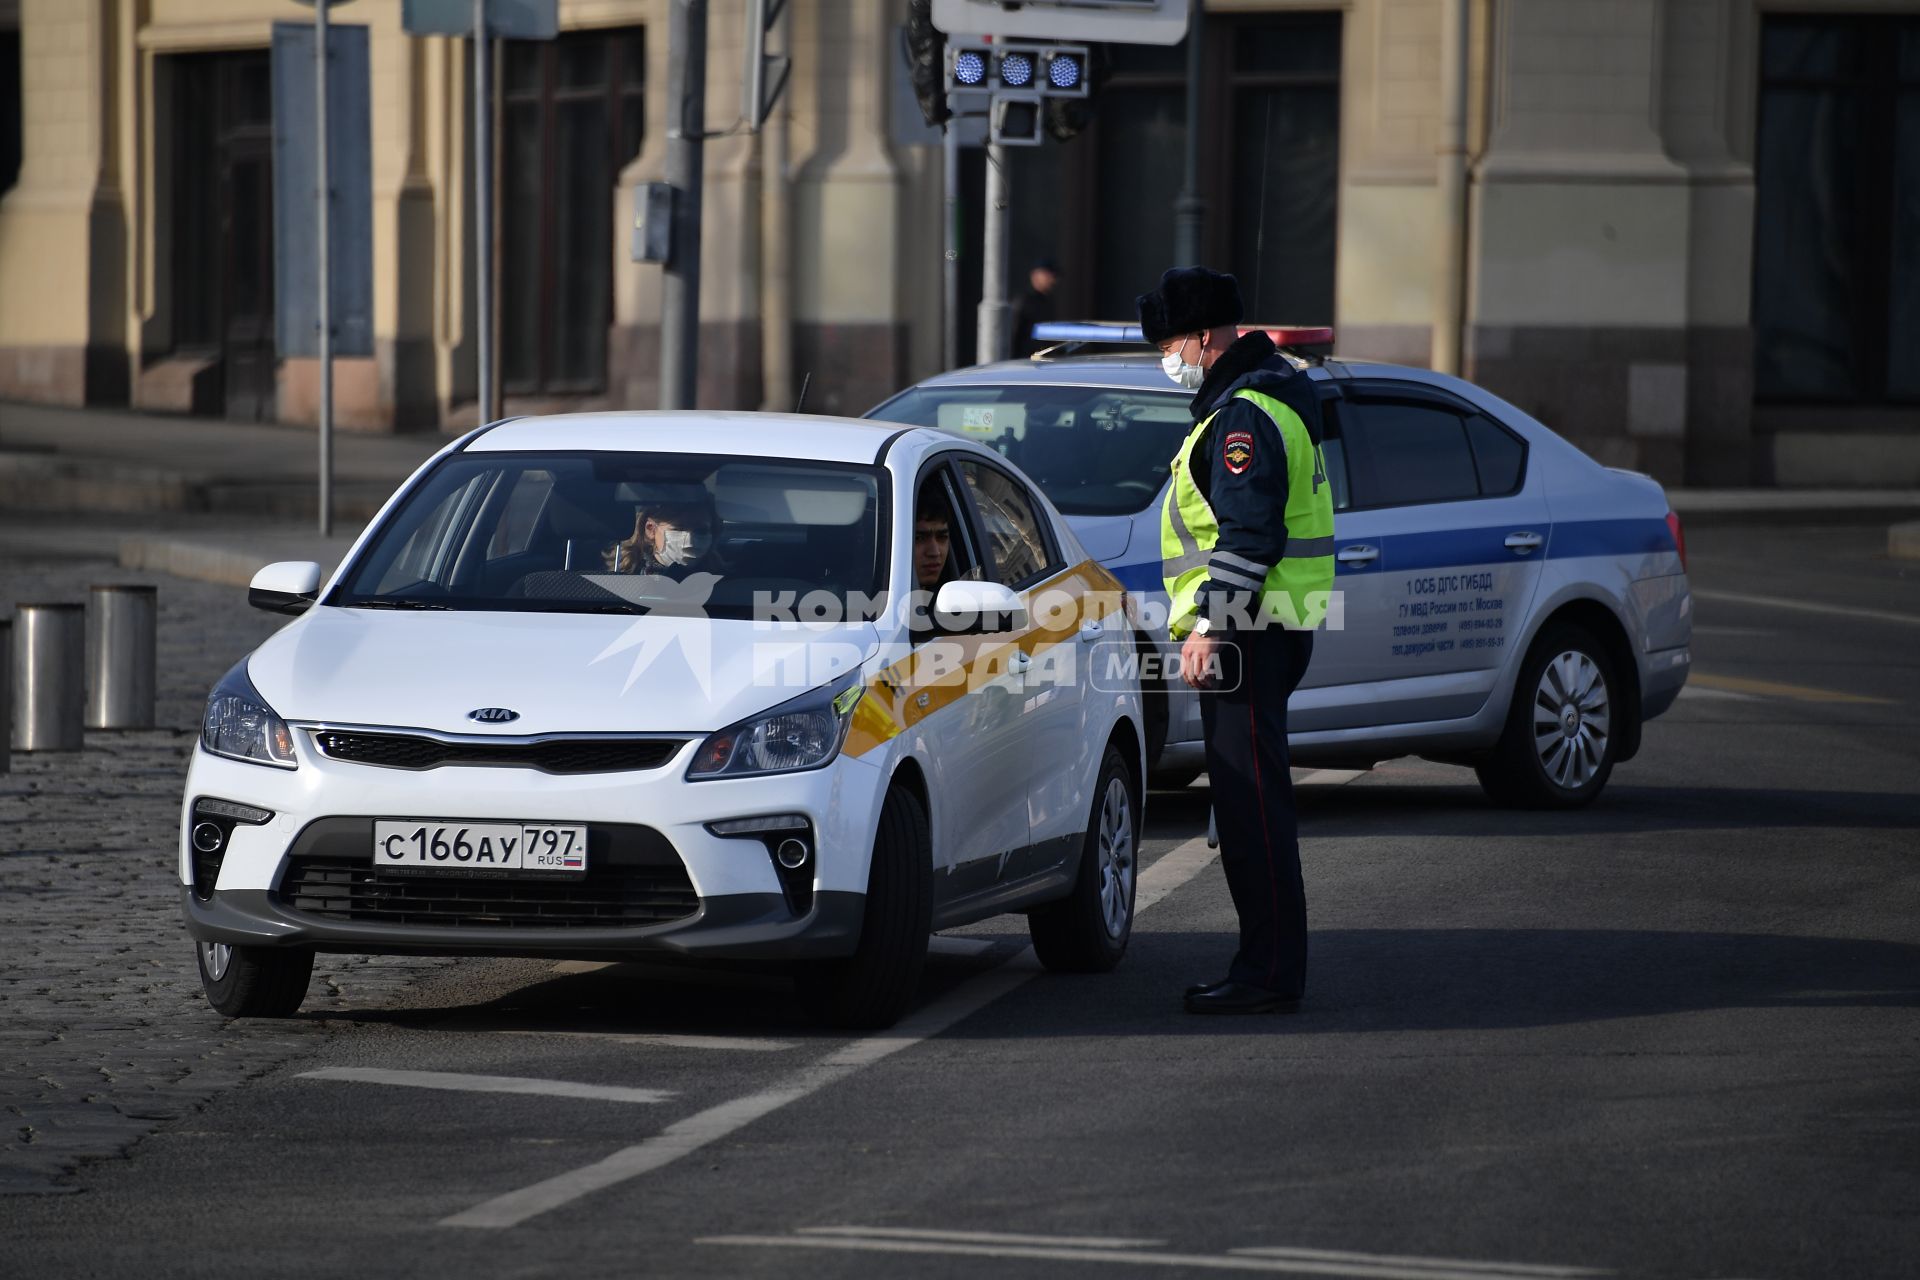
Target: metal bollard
x,y
6,688
49,670
120,663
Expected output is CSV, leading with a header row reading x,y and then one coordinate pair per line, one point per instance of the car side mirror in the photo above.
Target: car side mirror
x,y
286,586
966,608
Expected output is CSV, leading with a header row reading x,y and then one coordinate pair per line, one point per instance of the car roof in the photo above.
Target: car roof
x,y
1139,370
776,435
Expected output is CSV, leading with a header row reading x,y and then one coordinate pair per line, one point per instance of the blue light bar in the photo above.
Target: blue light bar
x,y
1087,331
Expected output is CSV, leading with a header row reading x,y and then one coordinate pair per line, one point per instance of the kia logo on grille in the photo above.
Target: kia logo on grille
x,y
493,715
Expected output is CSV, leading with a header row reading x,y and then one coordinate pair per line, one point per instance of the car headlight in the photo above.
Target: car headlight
x,y
241,726
805,733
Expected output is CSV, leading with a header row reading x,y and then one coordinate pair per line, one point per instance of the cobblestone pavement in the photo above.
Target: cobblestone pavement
x,y
104,1035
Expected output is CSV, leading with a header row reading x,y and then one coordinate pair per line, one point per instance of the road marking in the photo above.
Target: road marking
x,y
683,1137
1694,691
459,1083
1808,606
942,945
983,1237
1456,1264
582,966
1329,777
1239,1260
741,1044
1774,689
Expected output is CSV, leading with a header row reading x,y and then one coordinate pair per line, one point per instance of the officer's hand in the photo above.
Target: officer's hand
x,y
1196,659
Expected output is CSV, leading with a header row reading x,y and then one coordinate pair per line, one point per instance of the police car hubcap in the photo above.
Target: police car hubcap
x,y
215,957
1116,857
1570,719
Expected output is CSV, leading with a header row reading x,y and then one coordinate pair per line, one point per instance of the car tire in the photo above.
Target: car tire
x,y
1561,738
1087,931
254,982
871,988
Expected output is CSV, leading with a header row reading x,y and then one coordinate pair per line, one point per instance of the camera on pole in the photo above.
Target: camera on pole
x,y
1011,82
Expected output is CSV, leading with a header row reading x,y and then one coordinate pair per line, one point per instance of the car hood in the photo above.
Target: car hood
x,y
562,673
1104,537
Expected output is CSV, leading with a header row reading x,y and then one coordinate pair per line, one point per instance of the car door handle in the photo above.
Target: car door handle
x,y
1357,555
1524,542
1091,631
1019,662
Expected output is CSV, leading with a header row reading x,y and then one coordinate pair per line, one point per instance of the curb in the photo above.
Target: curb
x,y
1705,508
1903,541
209,560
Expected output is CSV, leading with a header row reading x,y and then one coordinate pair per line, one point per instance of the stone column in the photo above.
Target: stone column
x,y
63,245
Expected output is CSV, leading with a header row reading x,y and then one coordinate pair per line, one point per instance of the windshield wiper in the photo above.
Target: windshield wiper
x,y
585,606
396,602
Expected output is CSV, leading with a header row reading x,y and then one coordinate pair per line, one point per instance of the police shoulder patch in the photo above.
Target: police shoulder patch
x,y
1237,451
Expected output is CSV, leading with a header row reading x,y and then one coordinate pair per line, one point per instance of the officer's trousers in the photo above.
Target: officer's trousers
x,y
1247,762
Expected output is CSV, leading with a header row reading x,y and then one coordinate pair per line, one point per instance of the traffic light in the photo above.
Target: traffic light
x,y
926,52
1017,83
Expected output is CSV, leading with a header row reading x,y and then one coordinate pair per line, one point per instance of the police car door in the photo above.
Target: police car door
x,y
972,695
1461,538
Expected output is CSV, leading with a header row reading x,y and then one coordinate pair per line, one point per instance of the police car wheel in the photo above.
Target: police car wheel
x,y
873,987
1558,748
1087,931
253,982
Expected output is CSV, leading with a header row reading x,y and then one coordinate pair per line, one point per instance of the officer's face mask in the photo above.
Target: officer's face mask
x,y
1175,366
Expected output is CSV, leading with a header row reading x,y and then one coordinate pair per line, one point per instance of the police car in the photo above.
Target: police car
x,y
1502,601
612,685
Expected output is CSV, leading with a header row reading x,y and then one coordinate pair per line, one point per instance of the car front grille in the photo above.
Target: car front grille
x,y
552,755
634,878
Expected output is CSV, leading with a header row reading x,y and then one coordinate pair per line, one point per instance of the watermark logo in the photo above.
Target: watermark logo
x,y
1120,666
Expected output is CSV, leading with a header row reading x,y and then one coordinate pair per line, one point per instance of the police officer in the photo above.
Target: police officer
x,y
1247,553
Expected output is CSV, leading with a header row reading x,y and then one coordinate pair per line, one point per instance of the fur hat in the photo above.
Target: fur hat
x,y
1189,300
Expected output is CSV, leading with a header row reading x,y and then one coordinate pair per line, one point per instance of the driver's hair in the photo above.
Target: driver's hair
x,y
625,556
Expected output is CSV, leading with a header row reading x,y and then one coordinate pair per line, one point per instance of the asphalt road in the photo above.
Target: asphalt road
x,y
1676,1034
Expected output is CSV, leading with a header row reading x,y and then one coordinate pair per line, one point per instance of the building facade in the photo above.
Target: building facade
x,y
1685,233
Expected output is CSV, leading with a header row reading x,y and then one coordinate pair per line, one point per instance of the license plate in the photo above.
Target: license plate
x,y
518,848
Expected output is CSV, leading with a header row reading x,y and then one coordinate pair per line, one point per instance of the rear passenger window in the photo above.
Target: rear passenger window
x,y
1417,453
1497,454
1011,524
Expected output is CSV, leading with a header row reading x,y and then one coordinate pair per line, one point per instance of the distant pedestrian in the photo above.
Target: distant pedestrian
x,y
1246,544
1035,307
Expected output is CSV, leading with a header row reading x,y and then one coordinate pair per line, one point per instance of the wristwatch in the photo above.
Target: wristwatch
x,y
1203,626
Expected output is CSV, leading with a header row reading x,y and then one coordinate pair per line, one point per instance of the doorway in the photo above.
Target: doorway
x,y
222,234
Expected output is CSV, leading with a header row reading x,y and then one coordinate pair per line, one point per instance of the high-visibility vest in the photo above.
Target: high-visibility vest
x,y
1293,592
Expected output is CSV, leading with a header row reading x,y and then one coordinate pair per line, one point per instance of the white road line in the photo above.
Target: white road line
x,y
941,945
685,1136
1196,1261
1329,777
1809,606
1455,1264
983,1237
460,1083
738,1044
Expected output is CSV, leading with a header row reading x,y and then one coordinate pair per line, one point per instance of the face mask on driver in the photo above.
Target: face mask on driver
x,y
1174,365
679,548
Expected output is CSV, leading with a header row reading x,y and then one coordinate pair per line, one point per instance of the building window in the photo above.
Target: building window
x,y
1836,246
1269,172
572,119
10,110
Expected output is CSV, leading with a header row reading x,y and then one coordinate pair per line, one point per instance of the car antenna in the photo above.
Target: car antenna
x,y
804,384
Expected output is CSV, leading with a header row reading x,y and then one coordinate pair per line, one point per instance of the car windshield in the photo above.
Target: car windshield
x,y
1094,451
625,533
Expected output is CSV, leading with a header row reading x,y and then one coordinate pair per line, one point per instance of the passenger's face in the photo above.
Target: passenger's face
x,y
931,539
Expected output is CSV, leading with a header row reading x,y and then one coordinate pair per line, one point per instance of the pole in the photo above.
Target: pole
x,y
776,251
323,198
483,209
1189,210
1450,257
950,254
686,123
993,267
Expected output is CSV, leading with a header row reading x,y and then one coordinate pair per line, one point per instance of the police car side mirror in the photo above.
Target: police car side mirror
x,y
978,608
286,586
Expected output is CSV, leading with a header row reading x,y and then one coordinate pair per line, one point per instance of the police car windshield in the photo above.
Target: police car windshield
x,y
1094,451
625,533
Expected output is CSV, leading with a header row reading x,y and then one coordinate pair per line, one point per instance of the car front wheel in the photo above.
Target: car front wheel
x,y
253,982
871,988
1087,931
1560,741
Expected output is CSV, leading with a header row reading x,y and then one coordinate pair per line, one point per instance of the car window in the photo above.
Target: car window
x,y
1415,453
1017,547
611,532
1091,450
1497,453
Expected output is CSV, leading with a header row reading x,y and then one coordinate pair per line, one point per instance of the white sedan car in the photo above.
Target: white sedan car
x,y
612,685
